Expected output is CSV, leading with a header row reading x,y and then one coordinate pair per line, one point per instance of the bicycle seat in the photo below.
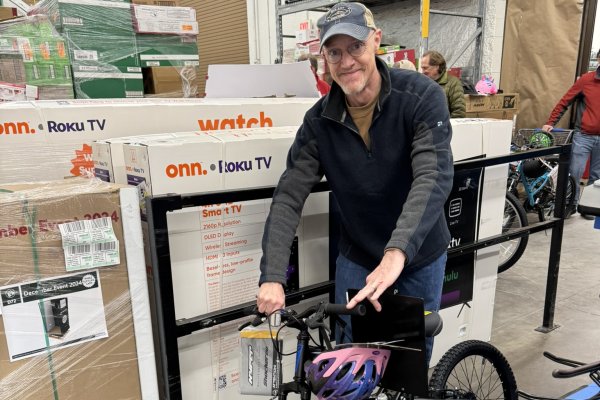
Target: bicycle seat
x,y
433,323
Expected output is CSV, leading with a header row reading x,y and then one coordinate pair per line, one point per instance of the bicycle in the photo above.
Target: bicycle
x,y
470,370
536,179
585,392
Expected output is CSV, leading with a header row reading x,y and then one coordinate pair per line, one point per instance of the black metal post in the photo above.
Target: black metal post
x,y
556,242
164,301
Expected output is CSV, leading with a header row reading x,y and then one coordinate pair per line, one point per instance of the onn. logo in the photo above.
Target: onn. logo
x,y
185,169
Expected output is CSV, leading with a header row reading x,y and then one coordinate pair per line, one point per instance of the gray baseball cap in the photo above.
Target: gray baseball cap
x,y
352,19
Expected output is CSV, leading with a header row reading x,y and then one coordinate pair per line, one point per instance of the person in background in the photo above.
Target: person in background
x,y
586,135
405,64
381,137
433,65
322,86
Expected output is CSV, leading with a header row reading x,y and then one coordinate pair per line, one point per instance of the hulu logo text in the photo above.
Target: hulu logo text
x,y
235,123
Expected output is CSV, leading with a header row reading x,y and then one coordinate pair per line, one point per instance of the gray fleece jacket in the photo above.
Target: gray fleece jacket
x,y
391,195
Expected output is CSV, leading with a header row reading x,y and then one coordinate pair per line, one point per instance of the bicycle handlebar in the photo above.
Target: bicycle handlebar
x,y
575,371
314,314
340,309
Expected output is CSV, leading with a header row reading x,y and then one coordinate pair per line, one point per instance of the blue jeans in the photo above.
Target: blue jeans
x,y
425,283
583,146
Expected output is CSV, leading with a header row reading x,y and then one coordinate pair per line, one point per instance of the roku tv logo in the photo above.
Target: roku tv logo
x,y
235,123
222,167
64,127
22,127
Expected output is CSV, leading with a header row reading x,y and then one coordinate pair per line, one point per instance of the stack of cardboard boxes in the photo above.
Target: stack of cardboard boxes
x,y
166,38
101,46
32,54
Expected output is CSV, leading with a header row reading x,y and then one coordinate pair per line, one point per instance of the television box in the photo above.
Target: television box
x,y
59,133
167,50
92,17
120,82
222,160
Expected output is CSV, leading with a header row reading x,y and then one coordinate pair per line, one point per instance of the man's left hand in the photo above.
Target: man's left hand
x,y
386,273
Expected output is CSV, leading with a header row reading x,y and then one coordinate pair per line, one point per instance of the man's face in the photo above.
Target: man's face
x,y
432,71
353,73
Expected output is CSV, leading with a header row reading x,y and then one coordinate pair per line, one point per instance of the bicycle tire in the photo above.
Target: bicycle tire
x,y
474,370
569,198
513,212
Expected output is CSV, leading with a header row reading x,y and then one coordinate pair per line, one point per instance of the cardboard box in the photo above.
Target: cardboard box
x,y
171,81
105,18
167,50
306,35
60,133
466,139
7,13
12,68
99,53
109,163
163,13
104,339
121,82
204,163
164,3
169,27
495,114
503,101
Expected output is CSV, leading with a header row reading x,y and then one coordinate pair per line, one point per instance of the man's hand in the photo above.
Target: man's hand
x,y
270,297
547,128
386,273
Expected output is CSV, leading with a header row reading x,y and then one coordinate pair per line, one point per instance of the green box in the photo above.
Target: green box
x,y
100,16
167,50
119,83
47,74
49,50
94,50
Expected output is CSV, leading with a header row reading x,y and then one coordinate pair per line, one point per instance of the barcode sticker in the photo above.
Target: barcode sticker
x,y
89,244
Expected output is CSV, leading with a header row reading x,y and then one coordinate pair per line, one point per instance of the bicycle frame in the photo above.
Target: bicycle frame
x,y
533,186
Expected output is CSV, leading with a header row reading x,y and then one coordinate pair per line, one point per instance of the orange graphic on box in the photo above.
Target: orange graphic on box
x,y
83,165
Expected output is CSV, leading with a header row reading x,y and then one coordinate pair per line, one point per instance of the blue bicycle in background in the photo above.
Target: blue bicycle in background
x,y
531,188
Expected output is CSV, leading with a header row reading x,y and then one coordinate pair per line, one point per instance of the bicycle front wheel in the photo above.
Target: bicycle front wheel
x,y
474,370
515,216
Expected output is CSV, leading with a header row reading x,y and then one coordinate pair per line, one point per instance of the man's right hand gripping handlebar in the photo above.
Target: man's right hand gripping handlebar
x,y
271,297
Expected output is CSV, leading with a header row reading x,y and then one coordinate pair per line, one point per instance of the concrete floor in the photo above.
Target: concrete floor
x,y
520,302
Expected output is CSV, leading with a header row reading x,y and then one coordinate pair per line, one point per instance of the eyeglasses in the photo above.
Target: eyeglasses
x,y
356,49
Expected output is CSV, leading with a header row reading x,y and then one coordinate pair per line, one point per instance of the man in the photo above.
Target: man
x,y
586,136
322,86
382,138
433,65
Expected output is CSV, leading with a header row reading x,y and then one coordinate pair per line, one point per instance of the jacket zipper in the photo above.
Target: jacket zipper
x,y
367,150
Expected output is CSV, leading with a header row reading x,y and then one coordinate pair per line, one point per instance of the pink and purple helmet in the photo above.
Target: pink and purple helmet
x,y
348,373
